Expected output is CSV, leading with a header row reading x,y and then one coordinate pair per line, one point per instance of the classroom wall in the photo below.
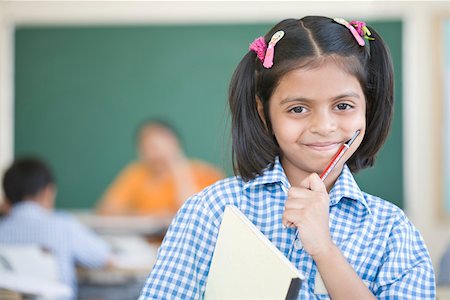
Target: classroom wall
x,y
6,94
422,109
106,79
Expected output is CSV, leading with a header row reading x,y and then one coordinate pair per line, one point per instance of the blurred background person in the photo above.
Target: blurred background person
x,y
30,193
161,180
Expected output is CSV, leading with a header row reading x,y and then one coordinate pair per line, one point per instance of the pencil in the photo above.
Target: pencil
x,y
338,156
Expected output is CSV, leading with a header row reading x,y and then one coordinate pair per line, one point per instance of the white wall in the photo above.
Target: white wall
x,y
6,96
422,100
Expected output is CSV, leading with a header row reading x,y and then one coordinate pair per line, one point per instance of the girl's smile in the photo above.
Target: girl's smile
x,y
313,111
324,146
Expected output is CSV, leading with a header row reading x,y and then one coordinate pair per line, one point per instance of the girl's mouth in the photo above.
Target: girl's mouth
x,y
324,146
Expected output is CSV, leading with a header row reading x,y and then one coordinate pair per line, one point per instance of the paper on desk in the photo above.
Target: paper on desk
x,y
34,286
29,260
132,252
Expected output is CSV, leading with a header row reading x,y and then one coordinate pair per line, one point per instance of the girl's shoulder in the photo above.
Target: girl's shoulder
x,y
384,210
225,191
213,199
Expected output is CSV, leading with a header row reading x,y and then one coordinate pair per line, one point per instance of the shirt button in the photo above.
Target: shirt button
x,y
298,244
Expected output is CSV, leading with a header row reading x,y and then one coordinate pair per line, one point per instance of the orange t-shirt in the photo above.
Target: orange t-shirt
x,y
138,192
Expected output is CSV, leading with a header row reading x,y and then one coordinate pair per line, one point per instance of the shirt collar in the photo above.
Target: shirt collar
x,y
344,187
28,208
273,173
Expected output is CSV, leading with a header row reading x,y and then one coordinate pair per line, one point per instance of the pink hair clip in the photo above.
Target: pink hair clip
x,y
259,47
362,29
352,29
268,59
358,26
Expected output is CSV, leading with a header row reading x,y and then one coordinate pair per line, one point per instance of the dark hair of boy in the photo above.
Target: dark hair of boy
x,y
26,178
308,43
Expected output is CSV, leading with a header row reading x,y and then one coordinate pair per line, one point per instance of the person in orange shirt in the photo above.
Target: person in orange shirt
x,y
161,180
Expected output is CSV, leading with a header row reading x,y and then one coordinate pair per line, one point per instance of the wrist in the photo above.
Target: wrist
x,y
325,252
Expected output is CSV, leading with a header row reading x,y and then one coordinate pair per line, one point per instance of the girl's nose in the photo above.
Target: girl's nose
x,y
322,123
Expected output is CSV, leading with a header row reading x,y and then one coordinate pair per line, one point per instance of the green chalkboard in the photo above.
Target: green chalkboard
x,y
81,91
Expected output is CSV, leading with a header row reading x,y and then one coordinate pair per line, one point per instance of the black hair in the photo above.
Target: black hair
x,y
308,43
26,177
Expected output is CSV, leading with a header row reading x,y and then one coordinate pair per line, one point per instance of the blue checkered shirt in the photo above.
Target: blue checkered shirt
x,y
384,248
69,241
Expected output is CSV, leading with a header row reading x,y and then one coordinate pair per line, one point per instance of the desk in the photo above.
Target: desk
x,y
112,284
9,295
133,260
128,291
120,225
134,241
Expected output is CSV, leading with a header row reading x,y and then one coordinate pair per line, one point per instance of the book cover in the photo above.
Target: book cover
x,y
246,265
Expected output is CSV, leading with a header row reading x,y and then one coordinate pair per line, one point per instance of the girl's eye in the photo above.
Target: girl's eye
x,y
343,106
298,109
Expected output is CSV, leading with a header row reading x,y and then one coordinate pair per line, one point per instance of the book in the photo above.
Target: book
x,y
246,265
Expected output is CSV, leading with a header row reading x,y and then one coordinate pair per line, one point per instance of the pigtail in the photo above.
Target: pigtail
x,y
380,102
252,145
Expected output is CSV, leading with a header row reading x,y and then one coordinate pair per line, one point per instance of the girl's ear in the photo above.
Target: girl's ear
x,y
260,109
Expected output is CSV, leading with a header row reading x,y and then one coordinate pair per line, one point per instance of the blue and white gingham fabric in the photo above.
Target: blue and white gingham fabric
x,y
69,241
375,236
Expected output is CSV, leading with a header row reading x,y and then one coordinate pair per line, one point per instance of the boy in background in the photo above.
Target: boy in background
x,y
30,193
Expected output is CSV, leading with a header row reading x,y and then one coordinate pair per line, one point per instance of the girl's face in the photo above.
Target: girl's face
x,y
313,112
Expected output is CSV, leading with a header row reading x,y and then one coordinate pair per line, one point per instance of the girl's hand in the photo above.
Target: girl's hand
x,y
307,209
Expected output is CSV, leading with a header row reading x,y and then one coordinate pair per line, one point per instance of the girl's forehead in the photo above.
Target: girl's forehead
x,y
324,78
348,64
